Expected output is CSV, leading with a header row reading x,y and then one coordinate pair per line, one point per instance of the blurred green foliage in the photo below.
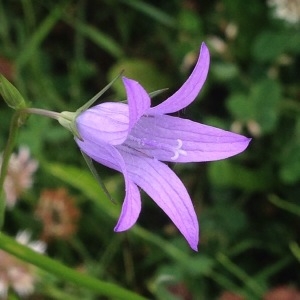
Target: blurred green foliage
x,y
60,53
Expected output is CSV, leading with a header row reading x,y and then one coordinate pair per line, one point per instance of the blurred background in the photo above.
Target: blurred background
x,y
61,53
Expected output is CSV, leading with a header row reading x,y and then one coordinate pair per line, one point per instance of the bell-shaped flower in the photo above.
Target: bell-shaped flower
x,y
136,139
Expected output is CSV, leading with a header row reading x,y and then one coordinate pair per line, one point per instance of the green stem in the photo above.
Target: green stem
x,y
16,122
54,267
43,112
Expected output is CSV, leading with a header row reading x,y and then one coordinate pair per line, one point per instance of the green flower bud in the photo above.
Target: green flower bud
x,y
10,94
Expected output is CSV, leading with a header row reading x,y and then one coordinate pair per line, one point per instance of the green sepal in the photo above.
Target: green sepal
x,y
97,96
67,119
158,92
10,94
92,168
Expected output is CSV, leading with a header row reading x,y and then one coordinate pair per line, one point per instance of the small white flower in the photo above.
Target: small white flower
x,y
19,175
287,10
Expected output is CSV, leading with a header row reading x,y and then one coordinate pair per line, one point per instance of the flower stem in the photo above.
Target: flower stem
x,y
16,122
43,112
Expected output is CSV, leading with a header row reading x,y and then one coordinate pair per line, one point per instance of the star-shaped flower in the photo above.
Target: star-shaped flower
x,y
135,139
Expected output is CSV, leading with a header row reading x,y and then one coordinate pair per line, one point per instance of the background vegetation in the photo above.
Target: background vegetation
x,y
60,53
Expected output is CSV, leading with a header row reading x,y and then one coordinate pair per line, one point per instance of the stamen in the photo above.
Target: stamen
x,y
141,143
178,151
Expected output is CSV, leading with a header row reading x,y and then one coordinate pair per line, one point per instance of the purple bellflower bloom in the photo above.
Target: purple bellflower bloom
x,y
135,139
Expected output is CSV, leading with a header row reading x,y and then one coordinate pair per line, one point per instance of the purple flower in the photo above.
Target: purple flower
x,y
135,138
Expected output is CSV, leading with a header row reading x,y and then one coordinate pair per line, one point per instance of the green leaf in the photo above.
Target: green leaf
x,y
201,265
190,23
240,107
56,268
261,106
43,29
224,71
226,174
269,45
101,39
290,163
152,12
265,97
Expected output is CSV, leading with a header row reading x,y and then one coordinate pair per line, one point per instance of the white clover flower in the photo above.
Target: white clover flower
x,y
19,175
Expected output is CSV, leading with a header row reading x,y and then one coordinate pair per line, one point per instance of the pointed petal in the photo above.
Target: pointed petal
x,y
166,189
175,139
107,122
109,156
138,100
189,90
131,207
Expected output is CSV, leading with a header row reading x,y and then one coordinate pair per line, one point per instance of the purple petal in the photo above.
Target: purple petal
x,y
107,122
166,189
102,153
189,90
174,139
131,207
138,100
109,156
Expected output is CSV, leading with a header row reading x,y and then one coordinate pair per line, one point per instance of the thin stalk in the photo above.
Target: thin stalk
x,y
43,112
16,122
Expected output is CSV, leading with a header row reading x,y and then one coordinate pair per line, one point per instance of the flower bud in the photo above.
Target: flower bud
x,y
10,94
